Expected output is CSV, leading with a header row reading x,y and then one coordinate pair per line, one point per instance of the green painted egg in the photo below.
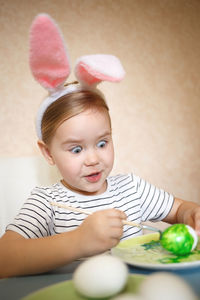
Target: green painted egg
x,y
179,239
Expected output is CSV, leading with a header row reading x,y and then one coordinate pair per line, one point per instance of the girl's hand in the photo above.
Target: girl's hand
x,y
191,216
185,212
101,231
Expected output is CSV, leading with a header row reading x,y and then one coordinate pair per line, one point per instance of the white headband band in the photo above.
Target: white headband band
x,y
50,65
49,100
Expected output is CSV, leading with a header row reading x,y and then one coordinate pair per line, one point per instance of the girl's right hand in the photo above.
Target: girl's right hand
x,y
101,231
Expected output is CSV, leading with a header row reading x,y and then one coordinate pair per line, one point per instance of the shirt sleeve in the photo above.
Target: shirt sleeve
x,y
155,203
35,218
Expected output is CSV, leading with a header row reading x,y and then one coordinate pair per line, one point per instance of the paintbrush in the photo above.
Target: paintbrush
x,y
86,212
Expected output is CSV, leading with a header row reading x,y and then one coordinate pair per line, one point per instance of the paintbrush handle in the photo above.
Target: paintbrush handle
x,y
86,212
74,209
132,224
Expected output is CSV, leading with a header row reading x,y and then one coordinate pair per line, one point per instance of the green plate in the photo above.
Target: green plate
x,y
66,290
146,252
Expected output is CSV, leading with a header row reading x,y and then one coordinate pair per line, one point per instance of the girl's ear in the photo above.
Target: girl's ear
x,y
46,152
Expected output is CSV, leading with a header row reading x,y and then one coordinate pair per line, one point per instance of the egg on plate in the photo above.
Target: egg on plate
x,y
179,239
165,286
100,276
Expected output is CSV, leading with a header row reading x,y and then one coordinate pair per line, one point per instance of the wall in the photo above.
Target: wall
x,y
155,110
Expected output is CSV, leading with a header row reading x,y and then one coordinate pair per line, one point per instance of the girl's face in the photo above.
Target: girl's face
x,y
82,149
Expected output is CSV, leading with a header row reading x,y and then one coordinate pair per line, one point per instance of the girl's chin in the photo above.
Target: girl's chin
x,y
92,189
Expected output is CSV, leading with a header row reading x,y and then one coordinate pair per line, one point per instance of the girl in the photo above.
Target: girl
x,y
75,134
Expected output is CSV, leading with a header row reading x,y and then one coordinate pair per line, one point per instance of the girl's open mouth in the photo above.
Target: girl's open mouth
x,y
94,177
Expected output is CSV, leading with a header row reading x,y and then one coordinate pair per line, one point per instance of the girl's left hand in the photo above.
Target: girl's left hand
x,y
191,216
185,212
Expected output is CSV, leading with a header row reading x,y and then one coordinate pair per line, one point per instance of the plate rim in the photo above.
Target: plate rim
x,y
70,281
158,266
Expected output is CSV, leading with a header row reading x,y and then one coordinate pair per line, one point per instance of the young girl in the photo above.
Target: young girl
x,y
75,134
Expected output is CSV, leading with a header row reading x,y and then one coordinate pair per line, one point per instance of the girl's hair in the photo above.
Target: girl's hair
x,y
68,106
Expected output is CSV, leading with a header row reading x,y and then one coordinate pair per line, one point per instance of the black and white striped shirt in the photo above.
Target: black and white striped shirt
x,y
140,201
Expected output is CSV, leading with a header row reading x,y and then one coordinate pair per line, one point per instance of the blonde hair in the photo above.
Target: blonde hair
x,y
68,106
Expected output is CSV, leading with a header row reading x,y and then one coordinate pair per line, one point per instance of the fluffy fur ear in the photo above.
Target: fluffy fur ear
x,y
48,58
92,69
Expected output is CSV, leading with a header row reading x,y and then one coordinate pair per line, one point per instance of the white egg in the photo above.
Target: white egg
x,y
100,276
127,296
165,286
194,235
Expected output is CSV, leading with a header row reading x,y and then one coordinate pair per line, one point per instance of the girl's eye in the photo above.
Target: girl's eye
x,y
101,144
76,149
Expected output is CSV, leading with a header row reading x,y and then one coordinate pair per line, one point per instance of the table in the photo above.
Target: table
x,y
18,287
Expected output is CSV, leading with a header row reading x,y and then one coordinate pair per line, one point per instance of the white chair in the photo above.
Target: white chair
x,y
18,176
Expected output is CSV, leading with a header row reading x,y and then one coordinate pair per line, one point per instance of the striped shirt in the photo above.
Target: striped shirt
x,y
140,200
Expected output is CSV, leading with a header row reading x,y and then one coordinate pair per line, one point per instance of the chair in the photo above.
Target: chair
x,y
18,176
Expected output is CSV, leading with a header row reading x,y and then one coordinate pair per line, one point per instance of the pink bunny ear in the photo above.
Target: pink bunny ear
x,y
48,57
92,69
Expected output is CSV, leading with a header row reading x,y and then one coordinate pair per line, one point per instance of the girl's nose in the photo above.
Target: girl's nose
x,y
91,158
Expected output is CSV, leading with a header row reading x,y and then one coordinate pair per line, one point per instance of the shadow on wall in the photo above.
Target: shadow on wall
x,y
18,176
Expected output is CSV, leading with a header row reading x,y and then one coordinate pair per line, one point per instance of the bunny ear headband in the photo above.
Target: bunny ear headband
x,y
50,65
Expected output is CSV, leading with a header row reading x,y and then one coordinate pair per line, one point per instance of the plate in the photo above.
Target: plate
x,y
146,252
66,290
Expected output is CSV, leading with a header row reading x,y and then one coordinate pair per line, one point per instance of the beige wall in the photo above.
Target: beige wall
x,y
155,110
